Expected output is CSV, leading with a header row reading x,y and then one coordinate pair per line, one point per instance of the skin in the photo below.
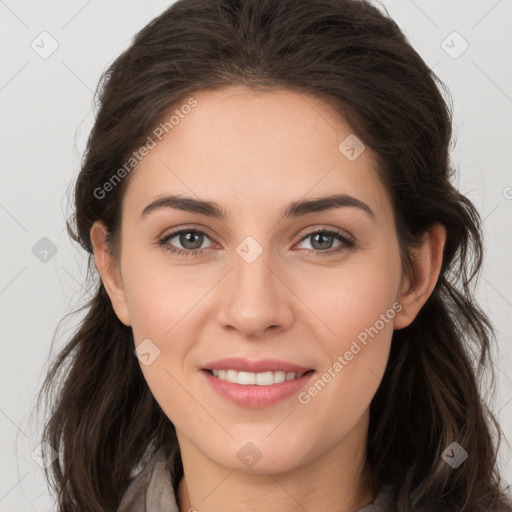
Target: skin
x,y
254,153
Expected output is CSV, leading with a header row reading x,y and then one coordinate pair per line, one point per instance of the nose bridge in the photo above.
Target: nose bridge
x,y
255,298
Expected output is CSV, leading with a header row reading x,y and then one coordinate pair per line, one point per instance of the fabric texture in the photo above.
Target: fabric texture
x,y
152,491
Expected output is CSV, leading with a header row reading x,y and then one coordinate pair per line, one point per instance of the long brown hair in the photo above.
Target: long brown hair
x,y
104,420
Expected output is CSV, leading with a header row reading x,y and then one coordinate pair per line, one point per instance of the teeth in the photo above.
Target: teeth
x,y
260,379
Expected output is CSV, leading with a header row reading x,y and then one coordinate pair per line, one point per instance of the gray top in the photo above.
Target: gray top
x,y
151,491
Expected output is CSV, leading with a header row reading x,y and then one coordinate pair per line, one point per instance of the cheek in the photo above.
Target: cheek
x,y
160,297
161,305
353,299
370,296
359,311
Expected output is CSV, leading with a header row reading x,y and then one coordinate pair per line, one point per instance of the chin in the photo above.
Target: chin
x,y
261,456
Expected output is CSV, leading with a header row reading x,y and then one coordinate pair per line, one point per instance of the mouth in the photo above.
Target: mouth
x,y
256,384
266,378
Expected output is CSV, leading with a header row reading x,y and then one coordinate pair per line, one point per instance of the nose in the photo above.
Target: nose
x,y
256,298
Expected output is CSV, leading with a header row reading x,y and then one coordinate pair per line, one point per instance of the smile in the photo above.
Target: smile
x,y
267,378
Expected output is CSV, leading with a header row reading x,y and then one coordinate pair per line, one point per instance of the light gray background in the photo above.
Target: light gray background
x,y
46,114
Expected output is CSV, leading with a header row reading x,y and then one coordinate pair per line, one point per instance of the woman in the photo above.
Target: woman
x,y
283,316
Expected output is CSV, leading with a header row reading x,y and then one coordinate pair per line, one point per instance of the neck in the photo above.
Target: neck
x,y
333,482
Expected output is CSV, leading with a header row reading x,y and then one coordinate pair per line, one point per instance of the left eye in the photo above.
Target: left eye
x,y
191,241
321,239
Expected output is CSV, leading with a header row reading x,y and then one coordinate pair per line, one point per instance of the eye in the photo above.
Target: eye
x,y
322,240
190,239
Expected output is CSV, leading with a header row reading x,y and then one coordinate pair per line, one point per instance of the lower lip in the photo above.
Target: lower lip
x,y
251,395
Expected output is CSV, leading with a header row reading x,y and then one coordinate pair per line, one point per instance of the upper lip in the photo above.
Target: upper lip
x,y
263,365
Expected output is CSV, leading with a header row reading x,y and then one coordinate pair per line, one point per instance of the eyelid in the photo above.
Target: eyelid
x,y
204,230
171,232
336,231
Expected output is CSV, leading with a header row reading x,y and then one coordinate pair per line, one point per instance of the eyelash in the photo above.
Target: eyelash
x,y
346,243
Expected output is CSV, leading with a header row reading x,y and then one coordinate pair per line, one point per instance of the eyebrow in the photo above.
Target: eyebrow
x,y
294,209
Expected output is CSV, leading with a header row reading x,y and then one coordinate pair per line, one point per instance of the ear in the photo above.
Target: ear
x,y
426,262
110,272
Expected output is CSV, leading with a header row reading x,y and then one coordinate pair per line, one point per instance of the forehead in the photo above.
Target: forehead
x,y
248,148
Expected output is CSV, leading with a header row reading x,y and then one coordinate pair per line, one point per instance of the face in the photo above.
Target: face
x,y
314,292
